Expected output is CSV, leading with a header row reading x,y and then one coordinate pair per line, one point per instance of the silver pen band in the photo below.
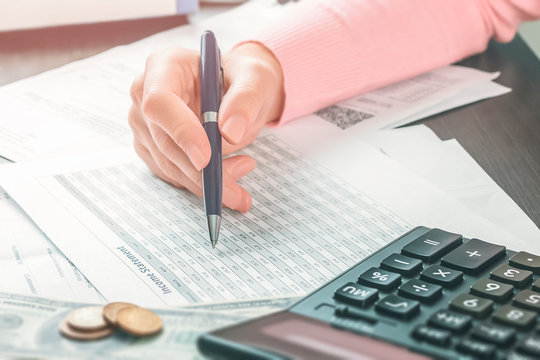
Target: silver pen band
x,y
210,116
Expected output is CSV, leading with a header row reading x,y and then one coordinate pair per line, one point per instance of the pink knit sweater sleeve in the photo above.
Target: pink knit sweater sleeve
x,y
335,49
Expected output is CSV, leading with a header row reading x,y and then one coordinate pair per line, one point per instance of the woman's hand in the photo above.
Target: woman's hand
x,y
165,115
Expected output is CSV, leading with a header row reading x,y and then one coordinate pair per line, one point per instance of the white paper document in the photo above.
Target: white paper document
x,y
414,99
141,240
448,166
32,265
305,227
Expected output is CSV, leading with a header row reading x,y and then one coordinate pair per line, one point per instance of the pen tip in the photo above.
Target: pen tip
x,y
213,228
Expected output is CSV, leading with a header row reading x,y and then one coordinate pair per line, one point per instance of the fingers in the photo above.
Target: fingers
x,y
170,85
255,95
234,196
241,105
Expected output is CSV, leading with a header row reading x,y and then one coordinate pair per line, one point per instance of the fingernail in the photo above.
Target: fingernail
x,y
246,202
235,128
197,157
231,197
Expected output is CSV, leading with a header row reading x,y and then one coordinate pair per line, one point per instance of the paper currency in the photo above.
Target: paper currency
x,y
249,308
29,329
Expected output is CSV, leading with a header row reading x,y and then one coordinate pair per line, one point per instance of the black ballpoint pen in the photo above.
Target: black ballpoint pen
x,y
212,174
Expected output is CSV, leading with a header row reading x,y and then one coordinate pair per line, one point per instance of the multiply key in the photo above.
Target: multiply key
x,y
473,256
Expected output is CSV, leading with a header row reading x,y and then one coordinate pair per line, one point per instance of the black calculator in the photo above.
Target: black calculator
x,y
428,294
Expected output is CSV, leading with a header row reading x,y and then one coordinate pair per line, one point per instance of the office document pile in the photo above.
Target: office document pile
x,y
83,220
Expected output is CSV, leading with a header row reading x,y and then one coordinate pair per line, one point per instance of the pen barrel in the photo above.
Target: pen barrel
x,y
212,175
210,73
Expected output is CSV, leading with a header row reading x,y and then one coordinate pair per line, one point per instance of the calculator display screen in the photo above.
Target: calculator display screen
x,y
299,337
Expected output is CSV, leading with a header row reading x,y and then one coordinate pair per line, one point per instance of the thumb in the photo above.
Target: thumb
x,y
241,105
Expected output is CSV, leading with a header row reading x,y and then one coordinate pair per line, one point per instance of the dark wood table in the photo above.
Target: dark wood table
x,y
502,134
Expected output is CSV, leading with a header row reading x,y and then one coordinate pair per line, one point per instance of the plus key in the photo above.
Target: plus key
x,y
473,256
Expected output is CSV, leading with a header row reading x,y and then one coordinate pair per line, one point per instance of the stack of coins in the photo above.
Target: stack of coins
x,y
97,322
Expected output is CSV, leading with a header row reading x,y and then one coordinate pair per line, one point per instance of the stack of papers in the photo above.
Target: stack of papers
x,y
329,189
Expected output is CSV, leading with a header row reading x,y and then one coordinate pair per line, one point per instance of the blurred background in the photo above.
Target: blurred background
x,y
531,34
39,35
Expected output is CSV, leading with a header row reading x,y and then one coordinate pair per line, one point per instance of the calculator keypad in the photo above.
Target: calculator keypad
x,y
492,333
441,275
402,264
527,261
380,279
432,245
397,306
473,256
356,294
492,289
465,295
420,290
511,275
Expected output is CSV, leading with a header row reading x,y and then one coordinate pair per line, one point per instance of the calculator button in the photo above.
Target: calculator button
x,y
494,333
420,290
380,279
531,345
514,316
398,306
432,245
356,294
472,305
476,348
527,261
441,275
473,256
450,320
528,299
511,275
517,356
536,285
401,264
492,289
432,335
354,313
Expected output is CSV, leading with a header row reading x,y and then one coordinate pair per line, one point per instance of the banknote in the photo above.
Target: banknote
x,y
248,308
29,330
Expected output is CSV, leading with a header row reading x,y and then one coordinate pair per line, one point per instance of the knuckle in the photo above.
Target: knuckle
x,y
133,117
166,167
152,101
161,139
135,91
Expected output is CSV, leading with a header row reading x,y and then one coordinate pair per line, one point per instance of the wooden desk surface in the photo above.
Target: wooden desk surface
x,y
502,134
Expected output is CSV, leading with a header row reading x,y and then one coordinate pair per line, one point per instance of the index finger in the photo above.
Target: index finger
x,y
170,85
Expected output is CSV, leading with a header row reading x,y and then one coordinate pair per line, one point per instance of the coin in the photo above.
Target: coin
x,y
110,311
138,321
72,333
87,318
